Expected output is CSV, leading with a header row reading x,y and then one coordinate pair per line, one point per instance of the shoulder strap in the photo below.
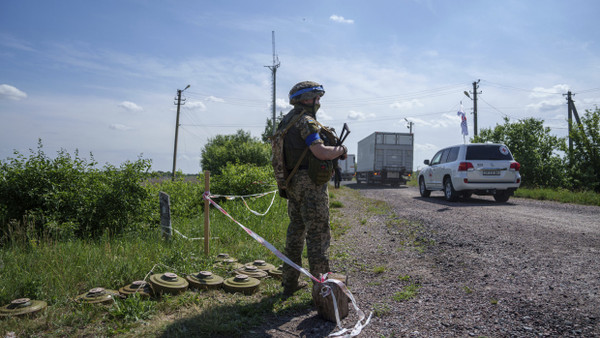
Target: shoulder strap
x,y
292,122
289,178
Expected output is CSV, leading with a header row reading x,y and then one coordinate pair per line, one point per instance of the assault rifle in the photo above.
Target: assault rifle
x,y
340,141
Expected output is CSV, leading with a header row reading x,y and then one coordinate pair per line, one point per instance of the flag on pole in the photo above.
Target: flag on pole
x,y
463,121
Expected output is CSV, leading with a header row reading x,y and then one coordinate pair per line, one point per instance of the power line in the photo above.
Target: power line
x,y
342,103
497,85
496,109
588,91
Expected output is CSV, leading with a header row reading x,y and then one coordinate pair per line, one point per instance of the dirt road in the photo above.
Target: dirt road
x,y
519,269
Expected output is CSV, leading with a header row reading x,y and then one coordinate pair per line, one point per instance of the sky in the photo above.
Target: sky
x,y
101,77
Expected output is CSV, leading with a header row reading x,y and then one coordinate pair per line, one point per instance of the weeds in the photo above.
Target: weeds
x,y
132,309
410,291
381,310
379,269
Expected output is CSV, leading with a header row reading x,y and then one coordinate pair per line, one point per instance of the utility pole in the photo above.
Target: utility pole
x,y
410,124
570,116
179,103
572,110
475,87
273,69
474,92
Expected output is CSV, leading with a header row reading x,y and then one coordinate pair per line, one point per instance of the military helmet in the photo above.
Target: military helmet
x,y
305,90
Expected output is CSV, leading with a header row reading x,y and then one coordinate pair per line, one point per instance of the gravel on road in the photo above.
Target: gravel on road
x,y
429,268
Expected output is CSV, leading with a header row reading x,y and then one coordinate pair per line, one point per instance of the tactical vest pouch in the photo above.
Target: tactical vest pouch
x,y
319,171
282,176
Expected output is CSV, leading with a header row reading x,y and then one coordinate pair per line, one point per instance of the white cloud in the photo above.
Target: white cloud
x,y
359,116
323,116
547,105
120,127
195,105
130,107
340,19
540,92
214,99
407,104
12,93
282,104
445,121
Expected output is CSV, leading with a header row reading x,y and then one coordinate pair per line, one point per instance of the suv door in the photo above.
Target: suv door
x,y
428,174
439,169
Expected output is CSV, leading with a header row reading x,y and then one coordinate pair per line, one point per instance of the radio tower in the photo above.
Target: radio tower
x,y
273,69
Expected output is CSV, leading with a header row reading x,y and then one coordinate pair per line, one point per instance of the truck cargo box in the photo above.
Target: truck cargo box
x,y
385,157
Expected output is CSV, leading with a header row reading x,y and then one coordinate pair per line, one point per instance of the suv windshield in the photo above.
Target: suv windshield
x,y
488,152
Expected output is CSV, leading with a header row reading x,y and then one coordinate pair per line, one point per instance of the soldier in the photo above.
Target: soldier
x,y
308,198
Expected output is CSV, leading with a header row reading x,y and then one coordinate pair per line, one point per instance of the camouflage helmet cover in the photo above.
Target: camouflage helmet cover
x,y
305,90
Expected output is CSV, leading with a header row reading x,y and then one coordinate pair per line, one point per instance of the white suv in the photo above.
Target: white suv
x,y
466,169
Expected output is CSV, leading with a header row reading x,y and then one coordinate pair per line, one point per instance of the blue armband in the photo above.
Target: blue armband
x,y
311,138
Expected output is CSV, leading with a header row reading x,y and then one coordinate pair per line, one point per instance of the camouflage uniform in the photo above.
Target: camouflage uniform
x,y
308,203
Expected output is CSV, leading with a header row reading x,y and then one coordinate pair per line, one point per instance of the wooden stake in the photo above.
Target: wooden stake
x,y
206,209
165,215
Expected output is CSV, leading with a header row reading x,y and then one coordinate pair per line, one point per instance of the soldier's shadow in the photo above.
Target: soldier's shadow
x,y
252,319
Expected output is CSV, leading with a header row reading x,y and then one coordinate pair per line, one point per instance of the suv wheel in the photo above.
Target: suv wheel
x,y
501,196
449,193
423,189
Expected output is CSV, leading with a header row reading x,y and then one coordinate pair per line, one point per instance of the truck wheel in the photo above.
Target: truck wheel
x,y
501,196
449,193
423,189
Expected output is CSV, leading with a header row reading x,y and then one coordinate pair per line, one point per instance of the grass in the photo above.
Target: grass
x,y
57,272
408,292
381,309
560,195
336,204
379,269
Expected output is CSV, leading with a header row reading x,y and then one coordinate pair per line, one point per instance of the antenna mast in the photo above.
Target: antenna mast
x,y
273,69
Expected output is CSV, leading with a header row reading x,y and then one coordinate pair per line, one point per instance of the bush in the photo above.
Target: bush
x,y
585,158
238,148
185,197
67,196
534,148
243,179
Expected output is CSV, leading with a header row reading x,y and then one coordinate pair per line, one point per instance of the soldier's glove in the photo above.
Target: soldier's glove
x,y
345,154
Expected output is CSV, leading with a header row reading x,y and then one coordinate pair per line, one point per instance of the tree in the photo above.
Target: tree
x,y
534,148
585,165
235,149
269,127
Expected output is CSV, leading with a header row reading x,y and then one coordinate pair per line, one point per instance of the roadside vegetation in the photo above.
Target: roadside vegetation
x,y
67,226
547,162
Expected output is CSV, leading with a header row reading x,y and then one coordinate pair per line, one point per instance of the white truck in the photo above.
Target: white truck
x,y
347,167
385,158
